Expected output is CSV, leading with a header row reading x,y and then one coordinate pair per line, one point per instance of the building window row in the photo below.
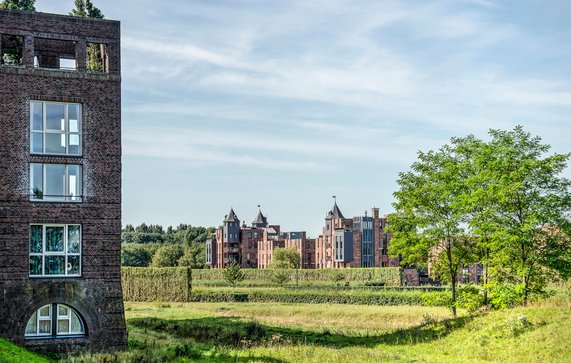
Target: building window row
x,y
55,250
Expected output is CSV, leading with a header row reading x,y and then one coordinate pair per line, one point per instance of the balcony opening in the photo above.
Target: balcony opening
x,y
97,58
54,54
12,50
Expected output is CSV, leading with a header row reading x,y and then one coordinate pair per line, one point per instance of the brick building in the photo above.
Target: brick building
x,y
360,241
60,182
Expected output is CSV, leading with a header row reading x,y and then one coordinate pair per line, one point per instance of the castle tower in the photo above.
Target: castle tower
x,y
60,182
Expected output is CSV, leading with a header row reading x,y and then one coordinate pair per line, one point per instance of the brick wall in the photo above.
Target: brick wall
x,y
96,295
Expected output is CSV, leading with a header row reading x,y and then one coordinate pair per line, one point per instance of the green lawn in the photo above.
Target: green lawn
x,y
12,353
279,332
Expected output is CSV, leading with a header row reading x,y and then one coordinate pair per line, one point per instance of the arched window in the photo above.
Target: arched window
x,y
55,320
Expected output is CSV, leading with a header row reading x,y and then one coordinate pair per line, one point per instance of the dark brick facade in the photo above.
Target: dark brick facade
x,y
96,294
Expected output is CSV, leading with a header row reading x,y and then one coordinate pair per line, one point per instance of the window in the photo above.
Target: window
x,y
55,128
55,182
55,320
55,250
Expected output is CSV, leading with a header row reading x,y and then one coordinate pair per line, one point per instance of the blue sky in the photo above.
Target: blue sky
x,y
286,103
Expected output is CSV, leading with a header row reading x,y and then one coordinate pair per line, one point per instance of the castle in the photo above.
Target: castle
x,y
361,241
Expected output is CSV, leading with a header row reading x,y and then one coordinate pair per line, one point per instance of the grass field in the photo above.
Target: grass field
x,y
279,332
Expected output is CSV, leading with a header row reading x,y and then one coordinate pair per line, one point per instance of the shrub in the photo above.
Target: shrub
x,y
503,296
280,277
156,284
469,298
233,274
167,256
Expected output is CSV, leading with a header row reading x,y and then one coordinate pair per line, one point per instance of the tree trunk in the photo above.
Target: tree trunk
x,y
452,277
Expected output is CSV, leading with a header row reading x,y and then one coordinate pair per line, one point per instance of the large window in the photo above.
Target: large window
x,y
55,182
55,128
55,250
55,320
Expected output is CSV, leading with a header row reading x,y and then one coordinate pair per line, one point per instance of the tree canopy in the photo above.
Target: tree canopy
x,y
501,203
18,5
85,9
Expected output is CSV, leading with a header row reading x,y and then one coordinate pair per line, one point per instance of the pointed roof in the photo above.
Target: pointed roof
x,y
334,213
231,217
260,220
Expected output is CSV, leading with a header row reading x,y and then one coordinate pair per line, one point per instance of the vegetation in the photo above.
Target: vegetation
x,y
230,332
287,258
85,9
156,284
501,203
389,276
141,244
233,274
14,354
18,5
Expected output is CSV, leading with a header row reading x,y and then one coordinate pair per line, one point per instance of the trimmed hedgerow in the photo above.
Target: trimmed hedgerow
x,y
388,276
156,284
385,298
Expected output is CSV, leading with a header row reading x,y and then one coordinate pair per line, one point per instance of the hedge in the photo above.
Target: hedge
x,y
389,276
156,284
385,298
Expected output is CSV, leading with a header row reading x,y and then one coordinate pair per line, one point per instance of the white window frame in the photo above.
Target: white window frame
x,y
65,252
66,185
66,133
55,315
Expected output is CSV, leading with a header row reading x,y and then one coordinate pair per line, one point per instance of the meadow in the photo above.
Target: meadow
x,y
285,332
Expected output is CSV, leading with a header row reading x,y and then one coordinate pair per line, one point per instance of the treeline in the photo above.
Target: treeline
x,y
152,245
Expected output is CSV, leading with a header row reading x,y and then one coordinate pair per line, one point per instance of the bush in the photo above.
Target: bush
x,y
280,277
503,296
233,274
156,284
167,256
384,298
469,298
390,276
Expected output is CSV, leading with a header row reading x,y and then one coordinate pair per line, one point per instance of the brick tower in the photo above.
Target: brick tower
x,y
60,182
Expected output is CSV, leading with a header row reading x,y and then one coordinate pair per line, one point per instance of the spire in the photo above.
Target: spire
x,y
335,212
231,217
260,220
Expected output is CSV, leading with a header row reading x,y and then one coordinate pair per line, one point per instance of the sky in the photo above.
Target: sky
x,y
283,104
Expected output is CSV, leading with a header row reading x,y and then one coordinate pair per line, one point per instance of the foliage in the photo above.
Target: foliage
x,y
286,258
319,296
504,295
337,276
193,257
501,203
156,284
431,212
523,210
470,298
85,9
167,256
233,274
391,276
18,5
280,277
153,233
136,255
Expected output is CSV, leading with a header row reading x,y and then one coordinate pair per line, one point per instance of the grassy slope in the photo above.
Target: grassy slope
x,y
368,333
12,353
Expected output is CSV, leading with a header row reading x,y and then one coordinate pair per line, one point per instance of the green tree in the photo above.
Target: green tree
x,y
18,5
135,255
167,256
194,256
521,207
233,274
428,226
280,277
287,258
85,9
